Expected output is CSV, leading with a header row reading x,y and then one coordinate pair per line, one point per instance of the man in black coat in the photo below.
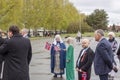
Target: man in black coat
x,y
18,53
1,57
84,61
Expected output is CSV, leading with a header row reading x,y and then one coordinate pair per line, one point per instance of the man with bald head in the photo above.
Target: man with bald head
x,y
103,56
84,61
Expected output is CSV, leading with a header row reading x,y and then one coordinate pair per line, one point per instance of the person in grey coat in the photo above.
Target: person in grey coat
x,y
18,53
103,56
114,46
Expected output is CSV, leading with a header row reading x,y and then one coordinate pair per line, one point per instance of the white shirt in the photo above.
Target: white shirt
x,y
81,55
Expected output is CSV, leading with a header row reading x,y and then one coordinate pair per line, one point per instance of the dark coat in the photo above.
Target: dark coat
x,y
118,52
85,62
1,41
103,58
1,57
18,55
62,57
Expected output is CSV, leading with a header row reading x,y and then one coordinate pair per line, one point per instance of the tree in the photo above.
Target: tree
x,y
98,19
50,14
113,27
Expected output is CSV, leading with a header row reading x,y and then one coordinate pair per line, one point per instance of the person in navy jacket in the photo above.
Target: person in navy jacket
x,y
58,56
103,56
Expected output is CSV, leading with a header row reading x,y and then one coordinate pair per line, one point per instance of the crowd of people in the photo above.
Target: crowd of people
x,y
15,55
104,57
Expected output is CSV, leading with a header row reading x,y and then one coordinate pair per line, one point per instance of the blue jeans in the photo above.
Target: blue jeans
x,y
103,77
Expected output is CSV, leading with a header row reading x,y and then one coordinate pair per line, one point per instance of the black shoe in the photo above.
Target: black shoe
x,y
61,76
55,76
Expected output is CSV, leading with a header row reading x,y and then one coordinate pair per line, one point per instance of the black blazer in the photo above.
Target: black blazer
x,y
18,53
1,41
86,61
103,61
118,52
1,57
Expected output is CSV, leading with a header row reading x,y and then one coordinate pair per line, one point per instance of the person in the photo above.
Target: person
x,y
24,33
18,53
114,46
118,53
70,60
1,57
113,42
78,36
84,61
58,56
103,56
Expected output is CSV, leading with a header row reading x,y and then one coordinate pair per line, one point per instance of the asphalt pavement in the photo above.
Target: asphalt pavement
x,y
40,63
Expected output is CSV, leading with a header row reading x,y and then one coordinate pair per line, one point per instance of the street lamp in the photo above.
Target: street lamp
x,y
80,21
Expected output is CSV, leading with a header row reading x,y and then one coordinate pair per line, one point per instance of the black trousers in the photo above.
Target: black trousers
x,y
79,76
78,39
103,77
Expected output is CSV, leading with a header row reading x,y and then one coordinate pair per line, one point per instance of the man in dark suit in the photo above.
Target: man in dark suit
x,y
18,53
1,57
103,56
84,61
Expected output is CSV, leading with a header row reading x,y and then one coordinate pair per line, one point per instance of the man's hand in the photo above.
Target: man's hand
x,y
77,69
115,69
80,70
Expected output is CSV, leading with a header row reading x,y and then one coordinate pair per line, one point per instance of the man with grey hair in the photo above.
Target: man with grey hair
x,y
103,56
24,33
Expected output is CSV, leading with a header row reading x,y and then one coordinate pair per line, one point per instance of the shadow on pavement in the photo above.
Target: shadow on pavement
x,y
57,79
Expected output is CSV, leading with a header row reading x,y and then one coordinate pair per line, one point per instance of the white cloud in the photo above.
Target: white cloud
x,y
110,6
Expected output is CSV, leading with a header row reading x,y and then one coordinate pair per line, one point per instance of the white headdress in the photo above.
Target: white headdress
x,y
57,36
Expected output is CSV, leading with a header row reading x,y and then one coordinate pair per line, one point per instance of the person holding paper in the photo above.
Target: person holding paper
x,y
58,56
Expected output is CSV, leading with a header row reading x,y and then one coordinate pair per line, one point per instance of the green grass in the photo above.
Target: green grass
x,y
87,34
91,34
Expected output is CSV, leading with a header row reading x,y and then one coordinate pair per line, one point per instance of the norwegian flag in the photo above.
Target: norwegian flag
x,y
47,46
56,48
84,76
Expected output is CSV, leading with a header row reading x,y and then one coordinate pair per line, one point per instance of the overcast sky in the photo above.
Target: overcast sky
x,y
112,7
